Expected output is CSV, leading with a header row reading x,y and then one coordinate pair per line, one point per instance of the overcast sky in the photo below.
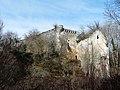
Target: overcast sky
x,y
20,16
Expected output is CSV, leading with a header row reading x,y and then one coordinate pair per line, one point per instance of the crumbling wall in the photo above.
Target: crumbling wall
x,y
94,55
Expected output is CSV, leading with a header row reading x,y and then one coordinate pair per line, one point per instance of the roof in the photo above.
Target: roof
x,y
84,35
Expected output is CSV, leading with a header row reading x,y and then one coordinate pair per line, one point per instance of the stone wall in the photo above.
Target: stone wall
x,y
90,51
59,35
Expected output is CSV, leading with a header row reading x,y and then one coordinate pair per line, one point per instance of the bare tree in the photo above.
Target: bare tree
x,y
11,68
95,26
111,31
1,28
113,10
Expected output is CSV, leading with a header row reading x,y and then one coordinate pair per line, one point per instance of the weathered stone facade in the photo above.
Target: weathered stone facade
x,y
59,35
92,50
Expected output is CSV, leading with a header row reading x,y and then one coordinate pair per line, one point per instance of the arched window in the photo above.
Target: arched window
x,y
97,37
76,57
